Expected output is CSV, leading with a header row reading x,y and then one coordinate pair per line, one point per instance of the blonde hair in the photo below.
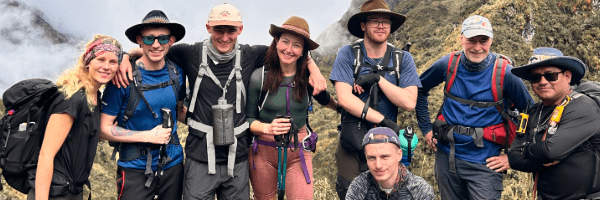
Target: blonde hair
x,y
77,78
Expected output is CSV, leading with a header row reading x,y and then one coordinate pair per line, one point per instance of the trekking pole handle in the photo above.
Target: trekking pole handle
x,y
408,134
167,118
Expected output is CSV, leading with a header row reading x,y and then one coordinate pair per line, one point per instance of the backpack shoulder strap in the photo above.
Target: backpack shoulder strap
x,y
398,57
358,58
498,79
174,78
452,68
134,96
262,82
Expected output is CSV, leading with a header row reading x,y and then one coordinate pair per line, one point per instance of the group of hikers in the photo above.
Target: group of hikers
x,y
247,110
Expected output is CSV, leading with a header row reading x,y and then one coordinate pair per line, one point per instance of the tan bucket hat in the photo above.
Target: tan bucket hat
x,y
295,25
373,7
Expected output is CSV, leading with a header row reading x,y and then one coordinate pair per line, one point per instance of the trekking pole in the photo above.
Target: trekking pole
x,y
407,47
408,134
167,122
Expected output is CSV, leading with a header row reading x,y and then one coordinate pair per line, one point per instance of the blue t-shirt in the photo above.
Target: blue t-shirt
x,y
115,102
476,86
342,71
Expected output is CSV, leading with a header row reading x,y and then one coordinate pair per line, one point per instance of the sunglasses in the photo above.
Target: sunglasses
x,y
162,39
550,76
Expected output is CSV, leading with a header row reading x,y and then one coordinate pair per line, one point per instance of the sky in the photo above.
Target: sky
x,y
26,53
113,17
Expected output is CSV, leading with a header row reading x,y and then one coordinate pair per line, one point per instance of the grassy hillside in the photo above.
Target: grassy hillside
x,y
433,27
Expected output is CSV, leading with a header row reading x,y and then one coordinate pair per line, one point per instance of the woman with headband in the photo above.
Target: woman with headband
x,y
71,137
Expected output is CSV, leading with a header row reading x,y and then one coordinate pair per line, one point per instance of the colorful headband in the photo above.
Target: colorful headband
x,y
100,46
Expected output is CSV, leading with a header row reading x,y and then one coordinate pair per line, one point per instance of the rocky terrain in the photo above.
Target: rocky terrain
x,y
433,27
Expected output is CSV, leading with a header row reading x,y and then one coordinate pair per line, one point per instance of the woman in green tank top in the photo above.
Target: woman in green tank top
x,y
283,91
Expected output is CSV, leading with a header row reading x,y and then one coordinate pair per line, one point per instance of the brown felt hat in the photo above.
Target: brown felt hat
x,y
295,25
373,7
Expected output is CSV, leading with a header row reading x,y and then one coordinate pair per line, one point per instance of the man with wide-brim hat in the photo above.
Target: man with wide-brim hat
x,y
139,132
219,70
474,124
561,135
379,66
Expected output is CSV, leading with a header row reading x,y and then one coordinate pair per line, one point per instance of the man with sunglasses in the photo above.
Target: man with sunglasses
x,y
150,164
468,164
562,137
370,71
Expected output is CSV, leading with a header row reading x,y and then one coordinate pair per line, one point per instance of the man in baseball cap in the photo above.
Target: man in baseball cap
x,y
467,129
387,177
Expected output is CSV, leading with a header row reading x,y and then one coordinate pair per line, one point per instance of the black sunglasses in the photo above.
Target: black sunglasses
x,y
550,76
162,39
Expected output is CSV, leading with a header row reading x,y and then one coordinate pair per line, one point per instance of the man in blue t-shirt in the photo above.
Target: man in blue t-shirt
x,y
468,168
150,156
374,23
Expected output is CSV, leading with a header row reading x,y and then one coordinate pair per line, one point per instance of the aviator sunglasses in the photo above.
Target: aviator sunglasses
x,y
162,39
550,76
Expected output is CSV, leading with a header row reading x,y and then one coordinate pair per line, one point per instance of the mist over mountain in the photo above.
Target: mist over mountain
x,y
30,46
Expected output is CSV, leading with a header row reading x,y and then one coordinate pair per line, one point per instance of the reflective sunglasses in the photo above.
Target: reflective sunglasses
x,y
550,76
162,39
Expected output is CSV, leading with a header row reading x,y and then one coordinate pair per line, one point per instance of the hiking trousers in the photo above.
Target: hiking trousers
x,y
199,184
349,166
130,184
473,181
264,177
69,196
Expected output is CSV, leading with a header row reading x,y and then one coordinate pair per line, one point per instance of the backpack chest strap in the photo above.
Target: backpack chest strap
x,y
210,146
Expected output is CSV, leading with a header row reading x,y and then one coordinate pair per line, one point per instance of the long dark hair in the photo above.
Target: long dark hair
x,y
275,75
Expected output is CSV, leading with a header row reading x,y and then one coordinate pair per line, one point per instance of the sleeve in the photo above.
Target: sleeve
x,y
516,90
517,160
323,97
431,78
578,124
260,52
358,187
342,66
180,53
408,75
253,93
72,106
112,99
420,189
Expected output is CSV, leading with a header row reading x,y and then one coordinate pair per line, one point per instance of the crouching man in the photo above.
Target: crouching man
x,y
387,177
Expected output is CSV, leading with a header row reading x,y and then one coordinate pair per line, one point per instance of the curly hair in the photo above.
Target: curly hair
x,y
78,78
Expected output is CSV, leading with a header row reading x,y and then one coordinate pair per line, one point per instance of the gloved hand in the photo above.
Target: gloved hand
x,y
367,80
390,124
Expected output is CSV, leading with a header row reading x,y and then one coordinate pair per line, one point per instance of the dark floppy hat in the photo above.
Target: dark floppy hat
x,y
547,56
156,18
373,7
295,25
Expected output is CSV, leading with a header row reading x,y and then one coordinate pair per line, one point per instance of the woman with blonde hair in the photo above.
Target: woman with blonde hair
x,y
283,91
71,135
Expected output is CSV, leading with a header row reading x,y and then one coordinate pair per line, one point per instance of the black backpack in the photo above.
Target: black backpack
x,y
592,90
22,129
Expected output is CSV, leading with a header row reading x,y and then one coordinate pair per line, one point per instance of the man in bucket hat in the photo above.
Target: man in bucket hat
x,y
370,69
475,120
387,177
562,138
141,135
220,68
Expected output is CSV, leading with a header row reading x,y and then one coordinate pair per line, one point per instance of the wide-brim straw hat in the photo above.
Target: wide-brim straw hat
x,y
155,18
546,56
295,25
373,7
